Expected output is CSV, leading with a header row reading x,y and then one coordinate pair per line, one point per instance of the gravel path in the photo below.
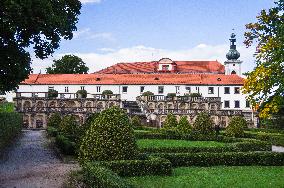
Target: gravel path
x,y
30,163
278,149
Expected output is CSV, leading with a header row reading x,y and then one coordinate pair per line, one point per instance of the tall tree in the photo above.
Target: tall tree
x,y
32,23
265,84
68,64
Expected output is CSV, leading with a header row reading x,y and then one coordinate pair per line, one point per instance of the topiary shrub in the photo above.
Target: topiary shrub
x,y
195,95
52,93
136,121
69,126
54,120
110,137
203,124
147,93
107,92
170,122
236,127
184,126
81,94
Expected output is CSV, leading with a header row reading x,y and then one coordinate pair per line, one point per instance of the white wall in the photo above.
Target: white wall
x,y
134,90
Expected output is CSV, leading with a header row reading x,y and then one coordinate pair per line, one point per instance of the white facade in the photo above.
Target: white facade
x,y
231,95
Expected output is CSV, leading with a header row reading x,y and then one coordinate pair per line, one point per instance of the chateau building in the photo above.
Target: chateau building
x,y
216,83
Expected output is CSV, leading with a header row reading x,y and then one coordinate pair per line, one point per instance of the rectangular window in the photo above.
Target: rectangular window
x,y
82,87
197,89
50,88
188,89
247,104
237,104
160,89
98,89
237,90
66,89
226,104
227,90
165,67
210,90
177,89
124,89
142,89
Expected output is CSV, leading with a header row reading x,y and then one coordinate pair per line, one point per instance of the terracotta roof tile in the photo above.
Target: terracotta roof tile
x,y
133,79
213,67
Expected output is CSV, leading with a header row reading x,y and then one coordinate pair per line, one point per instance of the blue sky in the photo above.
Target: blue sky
x,y
112,31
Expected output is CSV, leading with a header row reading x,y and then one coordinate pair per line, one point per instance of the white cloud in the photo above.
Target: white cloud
x,y
108,57
90,1
86,33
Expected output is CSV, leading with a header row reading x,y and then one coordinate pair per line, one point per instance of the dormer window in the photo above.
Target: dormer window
x,y
166,65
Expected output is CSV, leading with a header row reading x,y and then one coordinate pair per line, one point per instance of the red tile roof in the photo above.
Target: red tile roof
x,y
133,79
213,67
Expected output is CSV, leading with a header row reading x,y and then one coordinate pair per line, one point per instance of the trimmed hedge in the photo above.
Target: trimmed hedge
x,y
238,146
151,166
66,146
273,138
96,175
227,158
10,127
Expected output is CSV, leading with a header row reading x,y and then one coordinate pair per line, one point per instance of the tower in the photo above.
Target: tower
x,y
232,64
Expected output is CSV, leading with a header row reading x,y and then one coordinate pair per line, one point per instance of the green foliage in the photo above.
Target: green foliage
x,y
226,158
195,95
170,122
81,94
147,93
68,126
41,24
89,121
52,93
6,107
183,146
96,175
66,146
171,95
54,120
10,127
136,121
52,131
110,137
151,166
107,92
265,84
203,124
184,126
236,127
68,64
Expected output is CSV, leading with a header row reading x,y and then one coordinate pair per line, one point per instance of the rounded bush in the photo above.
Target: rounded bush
x,y
147,93
171,95
52,93
170,122
184,126
203,124
81,94
195,95
54,120
107,92
136,121
236,127
110,137
69,126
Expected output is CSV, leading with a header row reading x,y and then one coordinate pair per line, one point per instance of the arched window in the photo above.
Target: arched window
x,y
233,72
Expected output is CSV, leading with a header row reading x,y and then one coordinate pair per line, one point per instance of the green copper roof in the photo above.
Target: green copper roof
x,y
233,54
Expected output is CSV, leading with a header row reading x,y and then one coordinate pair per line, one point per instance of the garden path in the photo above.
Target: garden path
x,y
31,163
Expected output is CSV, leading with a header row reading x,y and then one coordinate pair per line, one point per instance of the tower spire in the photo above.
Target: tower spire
x,y
233,54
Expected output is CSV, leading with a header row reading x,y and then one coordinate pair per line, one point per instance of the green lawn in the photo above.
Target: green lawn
x,y
157,143
236,176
